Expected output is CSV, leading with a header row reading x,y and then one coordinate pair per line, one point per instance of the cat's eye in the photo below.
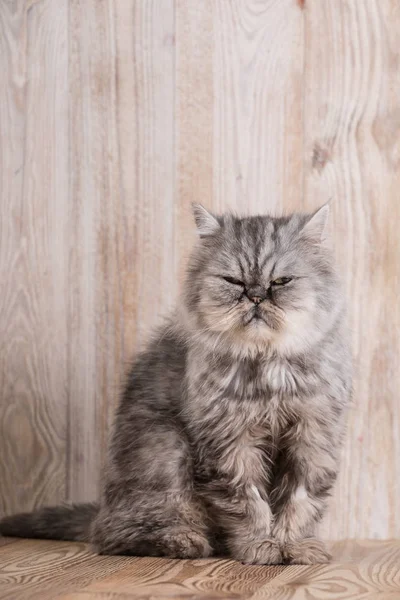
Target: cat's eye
x,y
281,281
233,281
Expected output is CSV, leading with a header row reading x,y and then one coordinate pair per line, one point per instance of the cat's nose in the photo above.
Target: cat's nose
x,y
256,294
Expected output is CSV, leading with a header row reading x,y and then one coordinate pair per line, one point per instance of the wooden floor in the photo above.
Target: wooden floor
x,y
42,570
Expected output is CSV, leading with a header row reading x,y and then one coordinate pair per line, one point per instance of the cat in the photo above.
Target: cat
x,y
228,432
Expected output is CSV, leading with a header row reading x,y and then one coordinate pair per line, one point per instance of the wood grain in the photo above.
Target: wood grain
x,y
39,570
258,105
194,117
94,328
170,578
352,156
122,198
146,107
33,252
114,116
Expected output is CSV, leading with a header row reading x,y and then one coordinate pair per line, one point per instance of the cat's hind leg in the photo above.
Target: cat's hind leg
x,y
148,504
155,524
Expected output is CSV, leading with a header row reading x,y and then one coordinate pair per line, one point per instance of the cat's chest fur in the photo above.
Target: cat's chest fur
x,y
240,410
253,397
264,377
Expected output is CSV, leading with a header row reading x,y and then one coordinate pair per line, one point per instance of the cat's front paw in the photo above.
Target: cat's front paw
x,y
265,552
308,551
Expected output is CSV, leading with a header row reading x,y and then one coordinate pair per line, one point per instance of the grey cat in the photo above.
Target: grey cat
x,y
228,432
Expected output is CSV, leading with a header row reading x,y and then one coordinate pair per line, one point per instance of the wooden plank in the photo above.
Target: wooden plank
x,y
122,194
258,105
194,117
133,596
217,577
145,50
40,570
360,570
45,570
94,326
33,252
352,130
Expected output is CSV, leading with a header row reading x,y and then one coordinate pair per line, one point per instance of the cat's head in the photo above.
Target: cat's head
x,y
261,281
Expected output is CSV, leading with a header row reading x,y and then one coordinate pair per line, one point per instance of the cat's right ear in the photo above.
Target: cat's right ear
x,y
206,223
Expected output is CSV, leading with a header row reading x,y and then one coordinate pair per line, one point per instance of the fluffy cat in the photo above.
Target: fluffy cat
x,y
227,435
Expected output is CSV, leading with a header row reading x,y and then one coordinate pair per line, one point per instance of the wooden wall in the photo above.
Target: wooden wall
x,y
114,116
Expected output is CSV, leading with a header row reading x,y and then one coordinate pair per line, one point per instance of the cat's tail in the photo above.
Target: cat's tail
x,y
66,522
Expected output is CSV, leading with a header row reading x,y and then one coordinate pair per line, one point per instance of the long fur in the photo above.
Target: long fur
x,y
227,434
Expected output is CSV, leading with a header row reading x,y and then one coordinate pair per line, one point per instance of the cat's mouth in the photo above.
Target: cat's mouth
x,y
255,317
259,316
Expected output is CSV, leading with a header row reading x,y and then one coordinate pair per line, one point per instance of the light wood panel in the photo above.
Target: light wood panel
x,y
114,117
94,202
194,101
258,105
34,242
122,158
45,570
352,89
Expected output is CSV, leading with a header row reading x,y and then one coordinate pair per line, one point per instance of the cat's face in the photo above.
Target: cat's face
x,y
260,281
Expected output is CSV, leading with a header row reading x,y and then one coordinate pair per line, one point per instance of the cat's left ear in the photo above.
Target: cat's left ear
x,y
315,227
206,223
